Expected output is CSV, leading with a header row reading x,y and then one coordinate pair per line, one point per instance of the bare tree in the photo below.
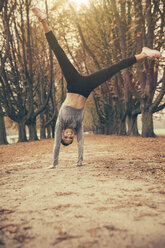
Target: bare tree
x,y
22,77
133,25
150,27
6,10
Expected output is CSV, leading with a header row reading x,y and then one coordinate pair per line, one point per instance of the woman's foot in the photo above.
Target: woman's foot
x,y
39,14
150,53
52,167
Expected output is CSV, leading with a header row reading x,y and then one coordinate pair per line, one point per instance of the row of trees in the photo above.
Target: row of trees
x,y
95,36
122,30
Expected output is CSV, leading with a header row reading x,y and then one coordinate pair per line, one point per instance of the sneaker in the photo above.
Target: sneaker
x,y
52,167
39,14
151,53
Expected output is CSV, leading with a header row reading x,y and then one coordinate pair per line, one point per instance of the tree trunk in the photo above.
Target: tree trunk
x,y
3,139
147,123
42,127
122,127
53,128
48,127
100,129
119,125
132,125
108,128
48,132
21,131
32,131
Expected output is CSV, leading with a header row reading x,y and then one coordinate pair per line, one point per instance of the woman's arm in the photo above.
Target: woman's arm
x,y
57,142
80,141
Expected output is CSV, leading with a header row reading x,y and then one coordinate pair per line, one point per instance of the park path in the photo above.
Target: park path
x,y
116,200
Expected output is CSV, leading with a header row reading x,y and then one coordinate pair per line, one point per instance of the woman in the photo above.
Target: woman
x,y
69,121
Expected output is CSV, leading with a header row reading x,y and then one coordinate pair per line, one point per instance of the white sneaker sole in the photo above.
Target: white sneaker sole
x,y
151,53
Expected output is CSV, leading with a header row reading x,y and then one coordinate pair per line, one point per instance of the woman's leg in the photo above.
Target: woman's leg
x,y
70,73
95,79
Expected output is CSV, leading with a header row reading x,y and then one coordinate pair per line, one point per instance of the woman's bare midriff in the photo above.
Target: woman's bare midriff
x,y
75,100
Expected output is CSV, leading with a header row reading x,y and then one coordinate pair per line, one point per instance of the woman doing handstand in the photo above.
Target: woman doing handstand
x,y
69,121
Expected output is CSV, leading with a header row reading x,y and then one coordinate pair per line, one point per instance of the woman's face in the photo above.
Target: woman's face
x,y
68,135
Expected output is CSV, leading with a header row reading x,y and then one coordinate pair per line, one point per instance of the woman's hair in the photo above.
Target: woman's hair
x,y
65,144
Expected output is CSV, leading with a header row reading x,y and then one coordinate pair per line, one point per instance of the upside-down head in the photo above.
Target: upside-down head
x,y
67,136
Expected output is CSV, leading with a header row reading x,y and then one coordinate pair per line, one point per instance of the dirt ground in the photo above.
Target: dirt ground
x,y
116,200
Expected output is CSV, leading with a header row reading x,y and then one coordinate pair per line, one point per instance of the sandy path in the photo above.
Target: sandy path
x,y
115,201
